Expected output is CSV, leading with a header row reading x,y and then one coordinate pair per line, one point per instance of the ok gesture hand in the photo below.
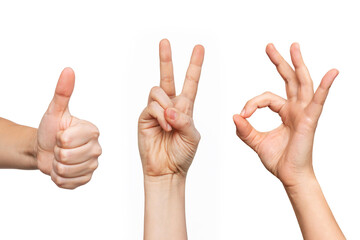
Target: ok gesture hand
x,y
287,150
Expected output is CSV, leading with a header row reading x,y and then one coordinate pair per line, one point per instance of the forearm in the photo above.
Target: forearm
x,y
17,146
312,211
165,208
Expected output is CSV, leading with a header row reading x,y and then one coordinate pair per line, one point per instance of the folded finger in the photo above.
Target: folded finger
x,y
158,94
76,170
77,155
77,135
69,183
267,99
155,111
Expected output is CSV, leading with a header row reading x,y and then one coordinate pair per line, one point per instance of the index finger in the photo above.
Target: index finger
x,y
193,73
77,135
166,68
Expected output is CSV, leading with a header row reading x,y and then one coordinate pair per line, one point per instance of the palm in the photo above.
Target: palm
x,y
287,150
169,147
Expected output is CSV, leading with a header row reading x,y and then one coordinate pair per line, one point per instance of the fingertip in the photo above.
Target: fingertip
x,y
269,48
164,42
66,82
238,120
68,70
199,52
200,49
243,112
335,71
168,128
329,78
165,50
171,113
295,46
198,55
235,118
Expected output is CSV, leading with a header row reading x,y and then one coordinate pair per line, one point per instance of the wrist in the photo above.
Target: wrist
x,y
35,149
297,177
302,186
168,182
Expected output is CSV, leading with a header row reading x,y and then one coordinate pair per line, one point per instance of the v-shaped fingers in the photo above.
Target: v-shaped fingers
x,y
193,73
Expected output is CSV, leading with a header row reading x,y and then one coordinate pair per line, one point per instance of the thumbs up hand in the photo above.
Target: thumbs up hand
x,y
67,147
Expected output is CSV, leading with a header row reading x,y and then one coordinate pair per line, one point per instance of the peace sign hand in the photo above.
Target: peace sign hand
x,y
167,136
287,150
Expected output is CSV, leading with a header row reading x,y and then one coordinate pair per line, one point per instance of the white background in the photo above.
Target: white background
x,y
113,48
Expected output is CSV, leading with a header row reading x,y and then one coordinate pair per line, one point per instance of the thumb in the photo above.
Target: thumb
x,y
181,122
63,91
247,133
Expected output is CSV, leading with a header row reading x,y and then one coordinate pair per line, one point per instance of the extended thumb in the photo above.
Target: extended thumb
x,y
63,91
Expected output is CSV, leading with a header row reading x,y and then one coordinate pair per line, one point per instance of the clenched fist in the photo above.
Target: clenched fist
x,y
67,147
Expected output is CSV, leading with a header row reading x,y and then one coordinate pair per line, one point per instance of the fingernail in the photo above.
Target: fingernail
x,y
242,112
171,114
169,127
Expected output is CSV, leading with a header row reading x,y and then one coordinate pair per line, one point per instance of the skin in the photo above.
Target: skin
x,y
287,150
168,141
64,147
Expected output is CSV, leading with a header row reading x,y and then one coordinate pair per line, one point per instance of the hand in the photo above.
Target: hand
x,y
67,147
167,136
287,150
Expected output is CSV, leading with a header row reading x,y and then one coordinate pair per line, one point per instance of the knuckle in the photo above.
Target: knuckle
x,y
94,166
58,181
152,105
98,151
60,169
191,77
267,93
249,102
154,90
65,140
167,78
95,133
87,179
187,122
197,136
64,155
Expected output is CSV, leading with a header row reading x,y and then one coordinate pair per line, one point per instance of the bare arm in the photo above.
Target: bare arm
x,y
312,211
17,146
